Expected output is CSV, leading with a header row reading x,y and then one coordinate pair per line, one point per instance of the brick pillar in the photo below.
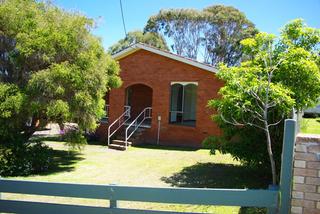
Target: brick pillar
x,y
116,99
306,179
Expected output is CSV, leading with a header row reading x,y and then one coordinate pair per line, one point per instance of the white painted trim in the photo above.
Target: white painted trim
x,y
139,46
185,83
125,52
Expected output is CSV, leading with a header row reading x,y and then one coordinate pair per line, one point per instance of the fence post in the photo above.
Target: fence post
x,y
113,203
273,210
289,138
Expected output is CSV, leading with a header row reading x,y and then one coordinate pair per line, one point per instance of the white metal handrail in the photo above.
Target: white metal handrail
x,y
121,120
146,113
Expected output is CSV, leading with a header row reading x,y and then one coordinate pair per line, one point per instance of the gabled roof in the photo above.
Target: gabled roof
x,y
139,46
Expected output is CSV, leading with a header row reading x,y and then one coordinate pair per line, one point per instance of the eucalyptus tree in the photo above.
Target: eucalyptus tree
x,y
182,26
225,27
212,35
51,69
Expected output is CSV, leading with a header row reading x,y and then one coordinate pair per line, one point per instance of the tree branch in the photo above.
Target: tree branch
x,y
276,123
236,123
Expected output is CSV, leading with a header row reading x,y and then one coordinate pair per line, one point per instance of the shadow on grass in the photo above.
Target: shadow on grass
x,y
59,138
62,161
161,147
211,175
252,210
97,143
41,138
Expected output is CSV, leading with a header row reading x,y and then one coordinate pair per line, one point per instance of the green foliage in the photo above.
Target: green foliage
x,y
299,46
75,139
183,26
216,31
58,110
238,104
287,70
227,27
298,34
52,69
11,105
24,160
11,100
150,38
246,144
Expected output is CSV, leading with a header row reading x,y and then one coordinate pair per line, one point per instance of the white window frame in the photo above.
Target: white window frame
x,y
182,109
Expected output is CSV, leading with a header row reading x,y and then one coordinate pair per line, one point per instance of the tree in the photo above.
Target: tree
x,y
225,27
52,69
300,69
260,93
215,31
183,26
150,38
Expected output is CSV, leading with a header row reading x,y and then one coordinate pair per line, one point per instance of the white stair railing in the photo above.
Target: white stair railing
x,y
145,114
120,121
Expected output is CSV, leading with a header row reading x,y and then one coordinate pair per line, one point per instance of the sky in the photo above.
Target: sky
x,y
268,15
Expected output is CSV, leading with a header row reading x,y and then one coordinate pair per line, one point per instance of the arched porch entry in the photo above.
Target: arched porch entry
x,y
138,97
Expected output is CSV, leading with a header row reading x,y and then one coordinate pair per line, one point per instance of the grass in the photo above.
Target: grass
x,y
310,125
147,166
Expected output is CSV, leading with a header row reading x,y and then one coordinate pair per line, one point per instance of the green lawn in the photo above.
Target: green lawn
x,y
147,166
310,125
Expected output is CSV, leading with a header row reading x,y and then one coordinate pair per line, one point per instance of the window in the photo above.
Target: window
x,y
105,119
183,103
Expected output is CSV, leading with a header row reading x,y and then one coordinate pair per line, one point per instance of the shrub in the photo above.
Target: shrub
x,y
22,160
74,139
246,144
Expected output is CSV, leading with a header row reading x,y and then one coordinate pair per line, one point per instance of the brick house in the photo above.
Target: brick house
x,y
163,96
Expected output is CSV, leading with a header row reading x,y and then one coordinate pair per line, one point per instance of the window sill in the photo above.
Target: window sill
x,y
183,125
104,120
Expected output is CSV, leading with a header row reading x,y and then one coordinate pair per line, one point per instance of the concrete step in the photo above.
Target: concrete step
x,y
135,137
132,138
142,126
117,147
137,132
121,142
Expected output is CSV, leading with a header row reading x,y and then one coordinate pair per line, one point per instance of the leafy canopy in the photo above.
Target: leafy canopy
x,y
149,38
51,69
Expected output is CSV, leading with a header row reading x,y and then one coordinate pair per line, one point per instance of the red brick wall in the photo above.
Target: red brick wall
x,y
158,72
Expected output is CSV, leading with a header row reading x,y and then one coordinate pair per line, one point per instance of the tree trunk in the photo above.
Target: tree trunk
x,y
29,131
266,128
272,162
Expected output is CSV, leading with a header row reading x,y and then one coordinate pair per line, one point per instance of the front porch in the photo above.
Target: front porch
x,y
136,115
